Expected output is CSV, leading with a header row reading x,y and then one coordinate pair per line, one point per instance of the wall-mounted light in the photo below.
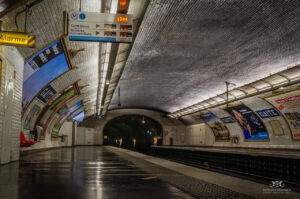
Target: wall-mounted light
x,y
143,120
123,2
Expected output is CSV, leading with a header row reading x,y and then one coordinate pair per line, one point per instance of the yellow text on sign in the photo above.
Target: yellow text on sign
x,y
17,39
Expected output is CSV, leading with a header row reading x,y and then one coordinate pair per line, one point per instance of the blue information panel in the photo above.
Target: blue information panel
x,y
100,27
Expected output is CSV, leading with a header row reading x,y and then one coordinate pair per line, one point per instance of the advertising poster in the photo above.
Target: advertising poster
x,y
218,128
42,68
252,125
55,130
33,111
289,105
68,112
66,96
276,127
62,98
56,105
47,94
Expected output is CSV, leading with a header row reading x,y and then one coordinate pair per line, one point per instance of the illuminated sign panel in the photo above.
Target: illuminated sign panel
x,y
41,69
100,27
17,39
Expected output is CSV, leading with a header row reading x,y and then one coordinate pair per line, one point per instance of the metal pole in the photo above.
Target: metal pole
x,y
227,91
227,85
73,132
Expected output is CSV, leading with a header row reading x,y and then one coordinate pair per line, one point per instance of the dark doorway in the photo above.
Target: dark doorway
x,y
171,141
134,132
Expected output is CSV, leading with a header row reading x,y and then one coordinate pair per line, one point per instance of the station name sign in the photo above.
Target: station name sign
x,y
17,39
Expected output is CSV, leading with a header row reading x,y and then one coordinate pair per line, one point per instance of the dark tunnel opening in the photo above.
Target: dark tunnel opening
x,y
135,132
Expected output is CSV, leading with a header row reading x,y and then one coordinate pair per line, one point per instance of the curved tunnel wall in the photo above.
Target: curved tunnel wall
x,y
200,134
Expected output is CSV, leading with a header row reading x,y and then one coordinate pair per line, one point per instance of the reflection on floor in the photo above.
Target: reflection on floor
x,y
81,172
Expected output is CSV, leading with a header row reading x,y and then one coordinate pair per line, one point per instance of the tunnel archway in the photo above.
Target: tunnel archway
x,y
136,132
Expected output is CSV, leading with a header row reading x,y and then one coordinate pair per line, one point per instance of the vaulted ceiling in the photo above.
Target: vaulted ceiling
x,y
183,52
186,50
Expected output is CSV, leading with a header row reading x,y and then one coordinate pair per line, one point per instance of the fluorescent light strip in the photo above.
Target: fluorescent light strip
x,y
113,10
292,75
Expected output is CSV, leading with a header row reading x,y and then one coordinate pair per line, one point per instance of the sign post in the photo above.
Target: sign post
x,y
100,27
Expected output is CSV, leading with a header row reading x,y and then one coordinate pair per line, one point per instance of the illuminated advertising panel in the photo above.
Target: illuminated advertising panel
x,y
251,124
68,112
65,113
218,128
289,105
51,106
42,68
56,105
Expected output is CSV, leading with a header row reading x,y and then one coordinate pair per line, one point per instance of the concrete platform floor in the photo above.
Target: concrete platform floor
x,y
109,172
80,173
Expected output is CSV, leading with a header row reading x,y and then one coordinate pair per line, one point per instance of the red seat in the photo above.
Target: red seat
x,y
24,142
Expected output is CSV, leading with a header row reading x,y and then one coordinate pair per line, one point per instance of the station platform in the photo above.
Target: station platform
x,y
92,172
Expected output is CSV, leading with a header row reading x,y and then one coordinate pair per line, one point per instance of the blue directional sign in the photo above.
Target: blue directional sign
x,y
100,27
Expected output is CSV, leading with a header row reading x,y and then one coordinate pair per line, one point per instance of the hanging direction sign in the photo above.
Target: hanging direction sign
x,y
100,27
17,39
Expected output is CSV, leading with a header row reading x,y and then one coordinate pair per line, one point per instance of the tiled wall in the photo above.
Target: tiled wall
x,y
66,129
79,137
10,103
